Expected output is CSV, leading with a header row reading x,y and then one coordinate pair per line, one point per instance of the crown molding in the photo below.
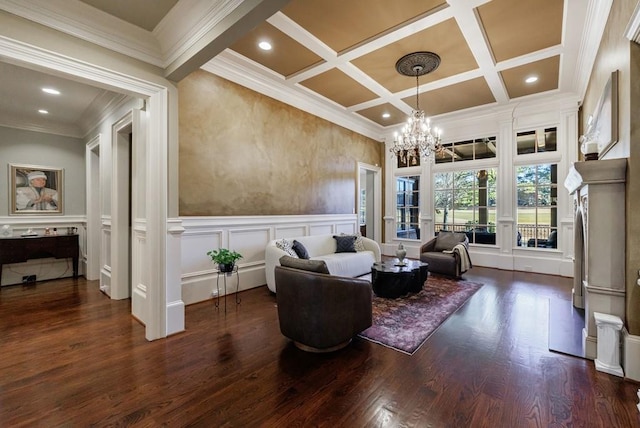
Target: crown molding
x,y
592,31
235,68
90,24
12,121
102,106
187,23
632,31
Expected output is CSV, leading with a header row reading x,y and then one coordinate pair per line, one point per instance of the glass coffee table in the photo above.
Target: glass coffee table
x,y
390,279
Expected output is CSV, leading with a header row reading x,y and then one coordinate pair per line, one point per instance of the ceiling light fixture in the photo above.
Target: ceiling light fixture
x,y
386,115
531,79
265,46
417,138
43,111
51,91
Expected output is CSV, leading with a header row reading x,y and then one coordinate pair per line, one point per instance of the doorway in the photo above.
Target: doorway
x,y
121,218
369,201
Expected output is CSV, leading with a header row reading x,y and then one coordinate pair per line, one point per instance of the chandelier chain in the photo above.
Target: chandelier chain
x,y
417,138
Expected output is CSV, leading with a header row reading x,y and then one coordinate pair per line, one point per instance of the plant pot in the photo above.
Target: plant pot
x,y
226,267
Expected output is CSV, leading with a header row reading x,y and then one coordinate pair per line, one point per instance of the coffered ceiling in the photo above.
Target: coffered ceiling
x,y
336,58
343,53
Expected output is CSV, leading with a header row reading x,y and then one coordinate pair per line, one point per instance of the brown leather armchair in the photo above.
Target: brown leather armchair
x,y
321,312
437,252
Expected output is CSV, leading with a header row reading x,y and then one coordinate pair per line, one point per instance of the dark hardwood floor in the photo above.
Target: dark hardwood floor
x,y
71,357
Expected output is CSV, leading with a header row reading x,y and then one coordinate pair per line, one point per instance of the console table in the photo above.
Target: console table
x,y
21,249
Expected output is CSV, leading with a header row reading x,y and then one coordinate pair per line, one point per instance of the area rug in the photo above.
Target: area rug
x,y
405,323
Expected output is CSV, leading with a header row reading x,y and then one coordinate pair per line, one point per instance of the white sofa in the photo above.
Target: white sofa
x,y
323,247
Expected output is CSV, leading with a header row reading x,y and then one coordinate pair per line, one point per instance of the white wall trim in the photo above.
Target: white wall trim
x,y
248,235
631,355
88,23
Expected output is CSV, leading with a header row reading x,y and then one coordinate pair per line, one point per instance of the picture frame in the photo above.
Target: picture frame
x,y
604,124
35,190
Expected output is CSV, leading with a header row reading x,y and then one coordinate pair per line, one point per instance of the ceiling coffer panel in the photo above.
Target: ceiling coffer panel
x,y
342,25
546,70
460,96
515,28
286,57
375,114
339,87
444,39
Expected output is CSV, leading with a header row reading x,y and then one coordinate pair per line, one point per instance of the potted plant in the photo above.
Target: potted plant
x,y
226,259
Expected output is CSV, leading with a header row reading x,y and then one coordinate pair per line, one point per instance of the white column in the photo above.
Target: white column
x,y
608,358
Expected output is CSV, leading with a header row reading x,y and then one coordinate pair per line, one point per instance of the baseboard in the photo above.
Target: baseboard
x,y
175,317
590,345
631,355
201,286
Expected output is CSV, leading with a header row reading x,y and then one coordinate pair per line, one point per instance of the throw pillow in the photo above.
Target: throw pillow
x,y
446,240
318,266
359,244
287,247
345,244
300,250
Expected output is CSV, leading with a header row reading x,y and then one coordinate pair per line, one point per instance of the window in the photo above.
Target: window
x,y
537,193
408,207
538,141
480,148
465,201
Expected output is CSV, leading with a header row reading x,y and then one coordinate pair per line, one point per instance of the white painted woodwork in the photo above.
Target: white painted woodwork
x,y
249,236
120,209
560,111
94,201
373,175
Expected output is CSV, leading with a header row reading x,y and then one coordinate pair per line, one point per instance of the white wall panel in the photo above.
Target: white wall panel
x,y
321,229
195,245
249,236
250,243
290,231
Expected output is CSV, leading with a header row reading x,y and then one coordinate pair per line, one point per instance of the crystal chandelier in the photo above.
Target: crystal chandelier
x,y
417,138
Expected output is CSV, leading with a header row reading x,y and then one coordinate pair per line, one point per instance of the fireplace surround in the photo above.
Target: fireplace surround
x,y
598,189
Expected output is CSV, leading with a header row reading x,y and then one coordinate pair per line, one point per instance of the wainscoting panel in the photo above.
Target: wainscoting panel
x,y
139,272
290,231
105,256
322,229
249,236
250,243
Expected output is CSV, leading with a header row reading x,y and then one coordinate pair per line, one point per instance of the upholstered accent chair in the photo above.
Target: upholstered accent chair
x,y
442,258
321,312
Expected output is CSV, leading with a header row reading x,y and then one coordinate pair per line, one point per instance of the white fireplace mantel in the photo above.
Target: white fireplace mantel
x,y
598,189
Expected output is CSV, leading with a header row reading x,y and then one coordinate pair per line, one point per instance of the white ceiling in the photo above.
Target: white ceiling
x,y
71,113
149,30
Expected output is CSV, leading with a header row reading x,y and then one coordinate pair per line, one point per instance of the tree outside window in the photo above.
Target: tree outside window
x,y
537,196
465,201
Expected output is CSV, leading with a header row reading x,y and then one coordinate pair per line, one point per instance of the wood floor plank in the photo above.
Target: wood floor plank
x,y
72,357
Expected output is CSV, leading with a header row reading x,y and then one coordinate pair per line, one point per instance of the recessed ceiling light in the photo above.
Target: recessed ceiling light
x,y
43,111
386,115
531,79
265,46
51,91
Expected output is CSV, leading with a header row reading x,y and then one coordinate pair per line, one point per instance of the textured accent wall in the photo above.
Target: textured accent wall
x,y
616,52
242,153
